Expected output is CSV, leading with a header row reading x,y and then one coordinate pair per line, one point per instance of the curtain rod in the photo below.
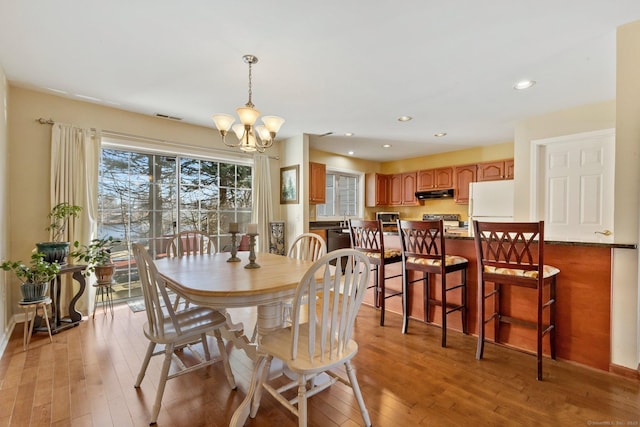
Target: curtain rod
x,y
43,121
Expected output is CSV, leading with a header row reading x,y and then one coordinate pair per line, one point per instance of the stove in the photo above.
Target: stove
x,y
448,220
388,220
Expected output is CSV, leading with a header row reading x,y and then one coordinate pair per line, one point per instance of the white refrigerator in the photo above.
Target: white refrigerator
x,y
490,201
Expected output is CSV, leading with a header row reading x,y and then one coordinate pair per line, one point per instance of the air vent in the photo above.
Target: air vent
x,y
165,116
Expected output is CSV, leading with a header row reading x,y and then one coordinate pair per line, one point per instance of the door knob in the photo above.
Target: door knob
x,y
605,232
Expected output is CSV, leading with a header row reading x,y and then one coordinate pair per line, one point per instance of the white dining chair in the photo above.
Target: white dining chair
x,y
175,329
323,341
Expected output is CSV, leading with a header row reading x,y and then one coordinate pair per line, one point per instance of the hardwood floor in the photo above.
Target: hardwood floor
x,y
86,377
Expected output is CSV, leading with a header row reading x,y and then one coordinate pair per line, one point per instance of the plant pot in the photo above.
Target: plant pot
x,y
54,251
34,291
104,273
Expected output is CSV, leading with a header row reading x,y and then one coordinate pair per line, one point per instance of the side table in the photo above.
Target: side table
x,y
59,323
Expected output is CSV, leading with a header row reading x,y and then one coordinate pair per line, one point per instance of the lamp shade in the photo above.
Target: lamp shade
x,y
273,123
248,115
223,121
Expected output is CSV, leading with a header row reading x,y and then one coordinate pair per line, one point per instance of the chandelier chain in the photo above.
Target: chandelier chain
x,y
250,104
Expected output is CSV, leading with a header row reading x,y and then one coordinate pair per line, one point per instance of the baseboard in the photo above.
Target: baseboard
x,y
623,371
5,339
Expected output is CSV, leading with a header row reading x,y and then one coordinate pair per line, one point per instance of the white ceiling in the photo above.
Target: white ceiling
x,y
326,66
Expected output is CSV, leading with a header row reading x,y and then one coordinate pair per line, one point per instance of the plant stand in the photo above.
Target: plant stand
x,y
28,306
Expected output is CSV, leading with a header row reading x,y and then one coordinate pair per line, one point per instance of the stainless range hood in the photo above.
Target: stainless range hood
x,y
434,194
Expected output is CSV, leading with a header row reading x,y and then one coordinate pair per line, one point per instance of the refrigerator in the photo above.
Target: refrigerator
x,y
490,201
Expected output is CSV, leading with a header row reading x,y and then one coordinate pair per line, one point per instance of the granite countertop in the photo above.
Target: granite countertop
x,y
464,235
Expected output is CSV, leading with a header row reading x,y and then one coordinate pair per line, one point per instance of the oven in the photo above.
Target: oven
x,y
451,222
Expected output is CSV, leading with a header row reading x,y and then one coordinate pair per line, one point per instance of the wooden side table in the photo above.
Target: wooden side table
x,y
28,306
58,322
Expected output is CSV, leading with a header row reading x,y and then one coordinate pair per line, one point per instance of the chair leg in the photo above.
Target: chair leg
x,y
406,302
356,391
145,364
164,373
496,312
427,296
382,292
552,317
481,316
539,331
46,320
302,401
225,359
443,285
463,299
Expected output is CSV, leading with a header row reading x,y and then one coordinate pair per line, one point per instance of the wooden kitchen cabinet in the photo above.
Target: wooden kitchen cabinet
x,y
377,190
403,188
496,170
317,183
433,179
463,176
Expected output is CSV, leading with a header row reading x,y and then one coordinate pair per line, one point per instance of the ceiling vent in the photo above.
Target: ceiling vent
x,y
165,116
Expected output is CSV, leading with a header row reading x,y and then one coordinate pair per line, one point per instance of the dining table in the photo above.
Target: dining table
x,y
211,280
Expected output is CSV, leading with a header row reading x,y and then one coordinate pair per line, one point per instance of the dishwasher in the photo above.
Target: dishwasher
x,y
336,239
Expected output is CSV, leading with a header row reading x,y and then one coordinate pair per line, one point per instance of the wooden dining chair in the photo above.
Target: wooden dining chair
x,y
512,253
322,341
175,329
188,243
367,237
423,251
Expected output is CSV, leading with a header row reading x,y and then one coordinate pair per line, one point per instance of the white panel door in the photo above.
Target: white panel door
x,y
578,183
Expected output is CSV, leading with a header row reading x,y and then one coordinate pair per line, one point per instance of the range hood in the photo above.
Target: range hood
x,y
434,194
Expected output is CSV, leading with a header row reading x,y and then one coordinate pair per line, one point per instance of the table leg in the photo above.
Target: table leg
x,y
74,314
242,413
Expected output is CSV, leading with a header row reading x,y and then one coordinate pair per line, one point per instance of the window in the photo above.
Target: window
x,y
147,198
342,196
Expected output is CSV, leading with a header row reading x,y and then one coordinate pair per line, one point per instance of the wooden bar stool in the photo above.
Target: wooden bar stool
x,y
423,250
512,253
29,307
367,237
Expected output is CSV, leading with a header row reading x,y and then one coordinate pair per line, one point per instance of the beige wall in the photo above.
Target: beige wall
x,y
5,293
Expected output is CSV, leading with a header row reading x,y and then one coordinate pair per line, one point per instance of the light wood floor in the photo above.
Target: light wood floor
x,y
86,377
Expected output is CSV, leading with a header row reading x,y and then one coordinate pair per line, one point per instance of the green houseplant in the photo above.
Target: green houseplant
x,y
97,256
60,215
35,277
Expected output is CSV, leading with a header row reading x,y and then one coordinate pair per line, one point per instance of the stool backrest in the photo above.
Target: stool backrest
x,y
510,248
366,235
423,240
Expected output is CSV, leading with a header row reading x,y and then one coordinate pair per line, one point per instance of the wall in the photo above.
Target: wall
x,y
295,151
29,166
5,315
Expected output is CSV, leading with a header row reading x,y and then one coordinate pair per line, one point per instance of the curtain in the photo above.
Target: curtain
x,y
262,200
74,179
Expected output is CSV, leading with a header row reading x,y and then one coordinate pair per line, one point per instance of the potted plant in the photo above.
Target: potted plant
x,y
56,249
35,277
97,255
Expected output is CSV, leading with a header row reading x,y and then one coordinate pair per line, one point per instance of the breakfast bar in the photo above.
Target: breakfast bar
x,y
583,299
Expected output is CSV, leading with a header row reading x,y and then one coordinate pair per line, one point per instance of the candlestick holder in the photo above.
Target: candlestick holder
x,y
252,251
234,248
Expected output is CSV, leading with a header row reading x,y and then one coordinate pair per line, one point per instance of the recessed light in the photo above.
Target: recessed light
x,y
348,134
351,153
439,134
386,146
524,84
404,118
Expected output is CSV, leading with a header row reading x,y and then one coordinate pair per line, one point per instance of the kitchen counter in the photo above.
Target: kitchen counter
x,y
464,235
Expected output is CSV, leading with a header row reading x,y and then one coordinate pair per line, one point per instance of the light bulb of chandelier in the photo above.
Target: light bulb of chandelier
x,y
248,115
223,122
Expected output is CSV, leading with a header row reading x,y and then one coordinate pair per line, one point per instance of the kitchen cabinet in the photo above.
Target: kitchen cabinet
x,y
496,170
403,188
317,183
433,179
463,176
377,190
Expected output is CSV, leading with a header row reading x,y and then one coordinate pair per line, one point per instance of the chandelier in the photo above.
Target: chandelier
x,y
250,138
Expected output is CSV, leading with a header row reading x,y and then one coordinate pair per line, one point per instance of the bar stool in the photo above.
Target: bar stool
x,y
367,237
102,289
28,306
512,253
423,250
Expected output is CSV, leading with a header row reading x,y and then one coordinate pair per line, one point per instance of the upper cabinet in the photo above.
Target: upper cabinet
x,y
497,170
317,183
403,188
463,176
433,179
377,190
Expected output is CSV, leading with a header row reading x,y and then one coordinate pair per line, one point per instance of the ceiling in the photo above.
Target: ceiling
x,y
327,66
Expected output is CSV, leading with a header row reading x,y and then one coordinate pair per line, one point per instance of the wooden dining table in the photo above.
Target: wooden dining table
x,y
211,281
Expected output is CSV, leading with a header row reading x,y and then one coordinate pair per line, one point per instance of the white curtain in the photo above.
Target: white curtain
x,y
262,200
74,179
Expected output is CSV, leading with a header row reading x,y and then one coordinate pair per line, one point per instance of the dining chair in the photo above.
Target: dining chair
x,y
175,329
367,237
305,247
512,253
423,250
188,243
320,342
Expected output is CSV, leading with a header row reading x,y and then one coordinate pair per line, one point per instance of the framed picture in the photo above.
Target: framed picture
x,y
289,181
